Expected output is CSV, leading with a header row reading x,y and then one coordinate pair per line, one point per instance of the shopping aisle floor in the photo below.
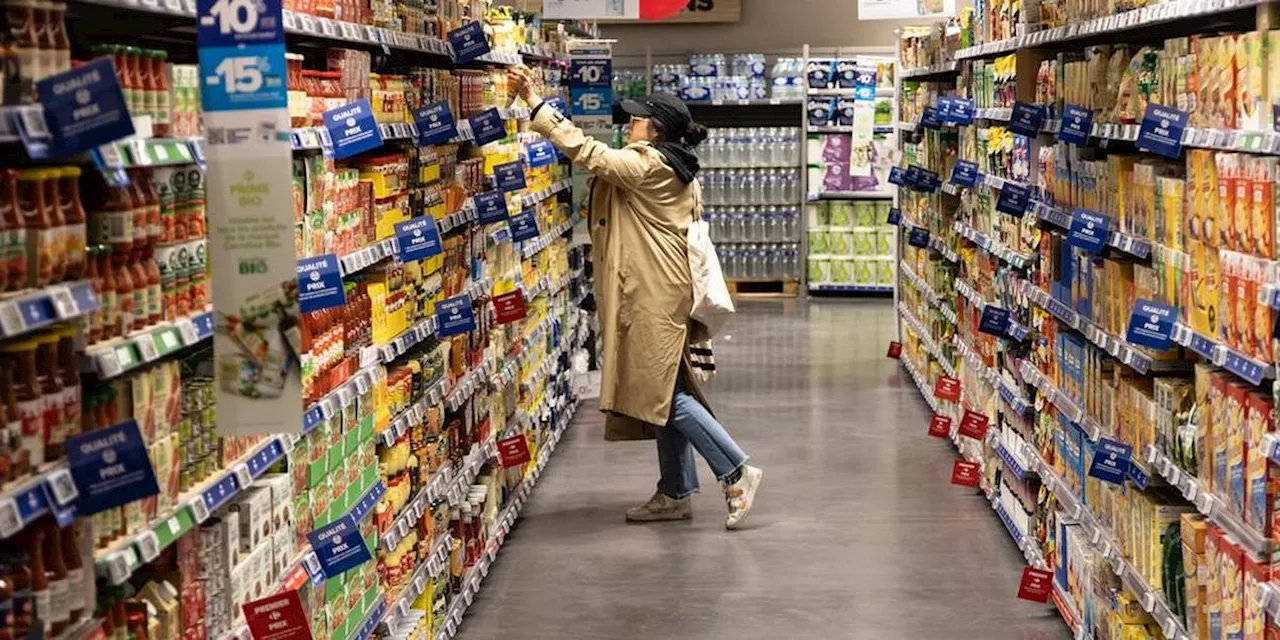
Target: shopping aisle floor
x,y
856,532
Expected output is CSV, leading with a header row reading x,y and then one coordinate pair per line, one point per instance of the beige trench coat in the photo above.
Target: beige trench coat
x,y
639,216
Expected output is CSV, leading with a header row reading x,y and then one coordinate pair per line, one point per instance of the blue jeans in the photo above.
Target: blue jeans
x,y
690,427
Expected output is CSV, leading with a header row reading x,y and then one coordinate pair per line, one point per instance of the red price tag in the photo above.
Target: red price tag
x,y
513,451
1036,584
278,617
965,473
974,425
895,350
940,426
946,388
508,307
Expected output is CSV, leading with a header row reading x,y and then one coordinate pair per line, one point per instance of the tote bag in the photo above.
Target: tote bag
x,y
711,301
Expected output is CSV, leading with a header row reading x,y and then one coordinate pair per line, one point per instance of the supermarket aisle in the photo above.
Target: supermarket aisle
x,y
857,532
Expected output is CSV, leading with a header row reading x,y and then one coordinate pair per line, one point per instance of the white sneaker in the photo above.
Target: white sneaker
x,y
741,494
661,507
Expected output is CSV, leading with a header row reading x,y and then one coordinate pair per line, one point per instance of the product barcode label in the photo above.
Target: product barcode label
x,y
33,121
199,510
175,527
147,349
188,331
169,341
108,363
10,520
63,487
148,545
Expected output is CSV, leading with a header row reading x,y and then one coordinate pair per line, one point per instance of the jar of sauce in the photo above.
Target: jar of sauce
x,y
124,292
50,384
10,227
77,598
37,218
56,232
58,41
58,615
155,295
20,16
69,375
161,125
75,237
110,301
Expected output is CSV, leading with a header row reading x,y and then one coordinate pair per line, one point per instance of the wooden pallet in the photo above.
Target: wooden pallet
x,y
760,288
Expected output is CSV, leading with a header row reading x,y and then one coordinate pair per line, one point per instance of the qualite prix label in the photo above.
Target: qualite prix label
x,y
947,388
1161,130
1111,461
435,124
418,239
973,425
455,316
487,126
110,467
469,42
509,176
524,226
1013,199
939,426
994,321
1089,230
1151,324
1035,585
339,546
965,473
964,173
352,129
84,107
320,283
1077,124
1026,118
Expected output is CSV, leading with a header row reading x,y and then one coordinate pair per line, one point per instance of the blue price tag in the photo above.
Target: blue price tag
x,y
418,238
897,175
1161,130
509,176
491,207
83,294
540,153
110,467
84,108
994,321
352,129
929,118
1026,118
339,546
37,311
469,42
1089,230
918,237
964,173
1138,477
1013,199
943,109
928,181
435,124
455,316
591,101
320,283
1151,324
524,226
1077,124
1111,461
961,111
488,126
557,103
591,73
895,216
912,177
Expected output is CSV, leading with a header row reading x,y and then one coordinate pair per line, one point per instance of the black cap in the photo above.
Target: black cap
x,y
667,109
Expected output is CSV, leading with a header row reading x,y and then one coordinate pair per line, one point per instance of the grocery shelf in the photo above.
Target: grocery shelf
x,y
756,102
401,604
122,355
1242,365
1011,396
1016,331
939,71
920,384
532,247
413,414
850,195
531,199
881,92
929,294
28,500
28,311
850,288
1059,399
1214,508
1128,243
879,128
991,245
1115,24
926,339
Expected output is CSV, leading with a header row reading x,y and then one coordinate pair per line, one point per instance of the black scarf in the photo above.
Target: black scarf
x,y
681,159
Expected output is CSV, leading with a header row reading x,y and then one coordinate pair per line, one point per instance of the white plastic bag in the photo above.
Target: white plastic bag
x,y
711,301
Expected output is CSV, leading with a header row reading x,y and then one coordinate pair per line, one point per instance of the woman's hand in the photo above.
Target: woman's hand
x,y
520,82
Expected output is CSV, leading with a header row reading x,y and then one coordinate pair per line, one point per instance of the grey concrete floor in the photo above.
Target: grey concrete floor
x,y
856,532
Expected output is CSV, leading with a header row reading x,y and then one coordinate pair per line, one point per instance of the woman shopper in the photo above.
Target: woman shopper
x,y
642,199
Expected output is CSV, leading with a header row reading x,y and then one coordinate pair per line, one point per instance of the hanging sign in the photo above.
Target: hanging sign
x,y
591,101
339,546
418,239
1013,199
591,72
965,473
940,426
513,451
947,388
994,321
1026,118
435,124
974,425
488,126
540,153
509,307
897,175
1035,585
1161,130
911,178
928,181
455,316
277,617
110,467
960,111
84,108
918,237
1151,324
320,283
895,216
469,42
352,129
249,199
509,176
1089,230
557,103
895,350
524,226
964,173
929,118
491,207
1077,124
1111,461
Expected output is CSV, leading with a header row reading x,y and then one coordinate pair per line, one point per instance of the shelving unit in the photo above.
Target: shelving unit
x,y
1008,286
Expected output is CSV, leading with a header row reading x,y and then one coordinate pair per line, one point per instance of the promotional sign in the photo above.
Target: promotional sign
x,y
513,451
904,9
339,546
1161,130
491,207
1111,461
1013,199
468,42
940,426
912,177
964,173
417,239
352,129
488,126
1089,230
895,216
320,283
928,181
895,350
995,321
524,226
1077,124
918,237
929,118
959,111
540,153
974,425
278,617
435,124
947,388
509,307
83,108
455,316
1035,585
897,175
943,109
1151,324
509,176
110,467
249,203
1026,118
965,473
591,72
591,101
590,9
